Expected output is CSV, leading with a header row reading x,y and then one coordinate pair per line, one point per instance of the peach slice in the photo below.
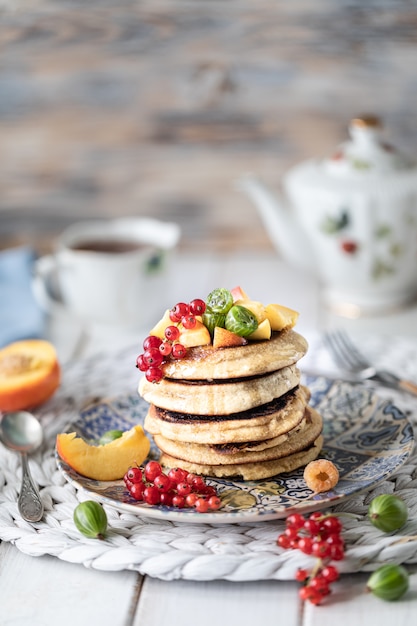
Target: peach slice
x,y
262,332
106,462
197,336
159,329
224,338
255,307
29,374
238,294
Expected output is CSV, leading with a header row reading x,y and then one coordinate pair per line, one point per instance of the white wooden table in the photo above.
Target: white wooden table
x,y
45,591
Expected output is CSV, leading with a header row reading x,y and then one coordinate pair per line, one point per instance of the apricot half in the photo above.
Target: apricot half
x,y
106,462
29,374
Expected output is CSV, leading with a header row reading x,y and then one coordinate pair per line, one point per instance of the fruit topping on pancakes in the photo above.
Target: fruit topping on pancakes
x,y
221,378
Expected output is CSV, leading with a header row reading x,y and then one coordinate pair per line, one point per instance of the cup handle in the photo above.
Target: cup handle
x,y
45,291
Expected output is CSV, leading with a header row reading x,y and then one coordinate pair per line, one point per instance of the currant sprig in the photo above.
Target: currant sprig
x,y
318,535
178,488
157,351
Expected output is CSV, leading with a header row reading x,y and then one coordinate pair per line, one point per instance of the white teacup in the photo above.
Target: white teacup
x,y
109,271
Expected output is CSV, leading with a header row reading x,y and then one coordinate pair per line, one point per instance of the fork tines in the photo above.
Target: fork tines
x,y
345,353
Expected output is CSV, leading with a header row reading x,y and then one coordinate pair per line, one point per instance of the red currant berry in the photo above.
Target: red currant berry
x,y
318,583
166,497
152,470
152,342
165,348
162,482
332,524
283,541
198,484
178,311
320,549
335,540
140,363
191,499
191,477
136,490
214,503
312,527
189,321
197,307
301,575
151,495
292,533
183,489
305,593
178,351
154,374
153,357
295,520
177,475
201,505
172,333
337,553
305,544
315,597
330,573
134,474
127,483
208,491
178,501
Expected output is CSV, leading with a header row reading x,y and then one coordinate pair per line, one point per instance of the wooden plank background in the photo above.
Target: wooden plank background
x,y
155,108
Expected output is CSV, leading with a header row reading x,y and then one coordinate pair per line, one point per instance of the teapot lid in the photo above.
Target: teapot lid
x,y
366,153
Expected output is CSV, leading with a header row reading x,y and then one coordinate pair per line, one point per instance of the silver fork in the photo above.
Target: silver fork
x,y
348,358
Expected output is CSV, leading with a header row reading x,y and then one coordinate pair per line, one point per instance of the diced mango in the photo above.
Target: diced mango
x,y
281,317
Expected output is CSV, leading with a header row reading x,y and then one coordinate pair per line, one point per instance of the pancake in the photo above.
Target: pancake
x,y
258,424
219,397
296,440
258,357
249,471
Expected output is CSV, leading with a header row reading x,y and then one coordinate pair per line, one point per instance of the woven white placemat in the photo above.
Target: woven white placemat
x,y
170,550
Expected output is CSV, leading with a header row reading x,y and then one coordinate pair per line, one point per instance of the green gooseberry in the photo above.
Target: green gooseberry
x,y
109,436
388,512
219,300
241,321
389,582
90,519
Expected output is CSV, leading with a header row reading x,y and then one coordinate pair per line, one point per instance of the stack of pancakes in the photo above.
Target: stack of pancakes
x,y
235,412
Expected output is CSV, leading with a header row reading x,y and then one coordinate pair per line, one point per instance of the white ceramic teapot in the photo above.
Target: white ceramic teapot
x,y
352,219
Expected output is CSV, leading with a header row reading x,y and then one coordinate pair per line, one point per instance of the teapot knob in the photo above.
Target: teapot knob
x,y
365,130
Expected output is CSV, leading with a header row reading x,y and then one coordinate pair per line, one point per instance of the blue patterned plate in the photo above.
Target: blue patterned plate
x,y
367,438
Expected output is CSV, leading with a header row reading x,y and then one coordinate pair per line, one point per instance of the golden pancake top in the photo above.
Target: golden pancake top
x,y
257,357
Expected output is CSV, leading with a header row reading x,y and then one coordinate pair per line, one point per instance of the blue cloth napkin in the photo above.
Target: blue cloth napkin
x,y
20,315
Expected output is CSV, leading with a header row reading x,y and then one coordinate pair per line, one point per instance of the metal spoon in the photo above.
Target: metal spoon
x,y
20,431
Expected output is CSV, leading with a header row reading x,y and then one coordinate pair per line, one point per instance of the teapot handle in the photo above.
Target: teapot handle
x,y
280,223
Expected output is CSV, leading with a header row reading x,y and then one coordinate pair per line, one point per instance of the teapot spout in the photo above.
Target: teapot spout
x,y
281,226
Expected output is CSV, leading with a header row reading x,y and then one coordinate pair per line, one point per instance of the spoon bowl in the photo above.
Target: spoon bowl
x,y
21,432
